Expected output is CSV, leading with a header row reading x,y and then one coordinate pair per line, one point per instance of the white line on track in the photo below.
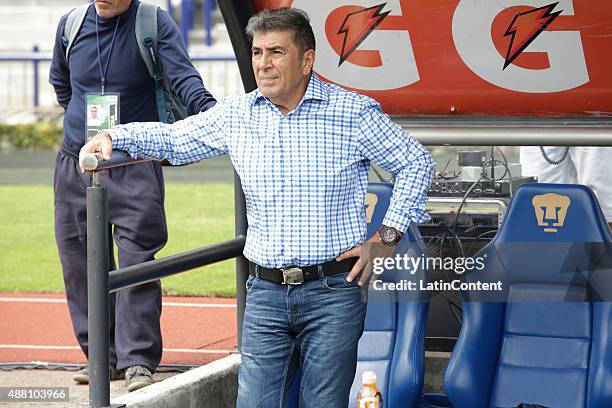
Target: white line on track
x,y
166,350
32,300
201,351
165,304
209,305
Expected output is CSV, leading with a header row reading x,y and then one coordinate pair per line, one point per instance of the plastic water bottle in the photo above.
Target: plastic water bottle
x,y
369,395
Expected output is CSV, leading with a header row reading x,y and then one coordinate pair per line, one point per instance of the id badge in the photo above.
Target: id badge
x,y
102,112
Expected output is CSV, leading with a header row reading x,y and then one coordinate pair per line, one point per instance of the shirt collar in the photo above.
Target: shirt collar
x,y
316,90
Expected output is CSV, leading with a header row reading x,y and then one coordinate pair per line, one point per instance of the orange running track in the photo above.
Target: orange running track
x,y
37,327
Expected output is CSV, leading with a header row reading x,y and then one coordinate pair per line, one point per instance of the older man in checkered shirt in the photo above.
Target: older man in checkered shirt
x,y
302,148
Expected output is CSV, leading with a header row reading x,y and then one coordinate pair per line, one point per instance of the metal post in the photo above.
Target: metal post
x,y
185,17
208,8
170,9
35,64
242,264
171,265
236,14
97,294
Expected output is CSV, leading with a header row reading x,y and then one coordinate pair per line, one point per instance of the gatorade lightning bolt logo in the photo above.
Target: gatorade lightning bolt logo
x,y
526,27
357,26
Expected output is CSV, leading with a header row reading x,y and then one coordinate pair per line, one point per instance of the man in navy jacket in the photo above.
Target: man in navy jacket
x,y
104,57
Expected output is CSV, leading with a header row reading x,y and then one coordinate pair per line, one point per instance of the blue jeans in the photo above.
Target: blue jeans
x,y
316,325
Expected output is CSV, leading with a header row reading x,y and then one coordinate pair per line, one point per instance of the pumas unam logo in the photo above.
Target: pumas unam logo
x,y
550,210
526,27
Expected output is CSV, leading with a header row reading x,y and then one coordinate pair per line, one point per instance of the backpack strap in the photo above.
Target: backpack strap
x,y
74,21
146,27
146,37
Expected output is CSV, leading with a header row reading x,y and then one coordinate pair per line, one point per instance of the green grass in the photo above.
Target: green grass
x,y
198,215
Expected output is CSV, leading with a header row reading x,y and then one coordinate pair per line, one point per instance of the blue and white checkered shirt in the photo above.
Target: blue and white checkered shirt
x,y
304,175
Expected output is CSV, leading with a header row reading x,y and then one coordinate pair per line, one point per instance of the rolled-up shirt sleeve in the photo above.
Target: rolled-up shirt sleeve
x,y
386,144
194,138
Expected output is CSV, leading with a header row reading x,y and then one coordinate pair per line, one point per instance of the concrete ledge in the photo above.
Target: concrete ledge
x,y
214,385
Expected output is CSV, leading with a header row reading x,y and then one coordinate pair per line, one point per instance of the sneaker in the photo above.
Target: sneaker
x,y
82,376
137,377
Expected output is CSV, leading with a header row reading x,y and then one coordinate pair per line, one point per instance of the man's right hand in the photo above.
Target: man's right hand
x,y
101,145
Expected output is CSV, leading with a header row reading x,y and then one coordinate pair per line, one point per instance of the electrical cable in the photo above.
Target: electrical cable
x,y
10,366
483,175
440,241
450,234
440,174
459,243
453,230
502,154
465,196
492,160
486,233
31,365
507,169
451,302
492,163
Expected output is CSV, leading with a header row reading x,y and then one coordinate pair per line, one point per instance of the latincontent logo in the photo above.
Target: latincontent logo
x,y
408,266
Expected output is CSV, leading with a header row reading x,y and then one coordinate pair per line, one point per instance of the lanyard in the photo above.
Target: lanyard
x,y
103,72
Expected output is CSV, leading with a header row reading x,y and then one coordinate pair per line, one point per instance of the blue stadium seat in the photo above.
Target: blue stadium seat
x,y
393,342
550,343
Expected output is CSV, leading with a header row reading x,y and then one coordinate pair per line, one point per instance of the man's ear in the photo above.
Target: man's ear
x,y
308,61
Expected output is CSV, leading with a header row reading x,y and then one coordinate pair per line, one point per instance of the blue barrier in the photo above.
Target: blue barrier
x,y
208,6
188,8
35,57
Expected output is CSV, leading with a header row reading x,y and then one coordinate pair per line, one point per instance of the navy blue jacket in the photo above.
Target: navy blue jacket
x,y
126,74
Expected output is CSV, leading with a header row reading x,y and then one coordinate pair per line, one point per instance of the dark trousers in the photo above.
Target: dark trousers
x,y
138,226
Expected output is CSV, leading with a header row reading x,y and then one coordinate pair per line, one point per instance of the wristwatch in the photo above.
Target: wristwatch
x,y
389,235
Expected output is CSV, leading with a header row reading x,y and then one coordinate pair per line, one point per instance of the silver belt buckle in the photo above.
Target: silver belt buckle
x,y
293,276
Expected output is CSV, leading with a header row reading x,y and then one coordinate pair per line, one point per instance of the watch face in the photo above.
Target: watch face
x,y
388,235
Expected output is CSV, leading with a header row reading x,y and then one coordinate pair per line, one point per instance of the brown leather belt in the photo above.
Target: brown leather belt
x,y
296,275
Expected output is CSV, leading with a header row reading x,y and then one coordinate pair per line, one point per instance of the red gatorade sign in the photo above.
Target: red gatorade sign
x,y
467,57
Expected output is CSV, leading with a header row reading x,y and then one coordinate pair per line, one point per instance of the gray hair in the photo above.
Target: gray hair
x,y
284,19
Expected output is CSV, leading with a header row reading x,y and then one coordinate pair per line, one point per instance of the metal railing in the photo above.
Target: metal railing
x,y
509,131
188,11
100,282
33,59
22,76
